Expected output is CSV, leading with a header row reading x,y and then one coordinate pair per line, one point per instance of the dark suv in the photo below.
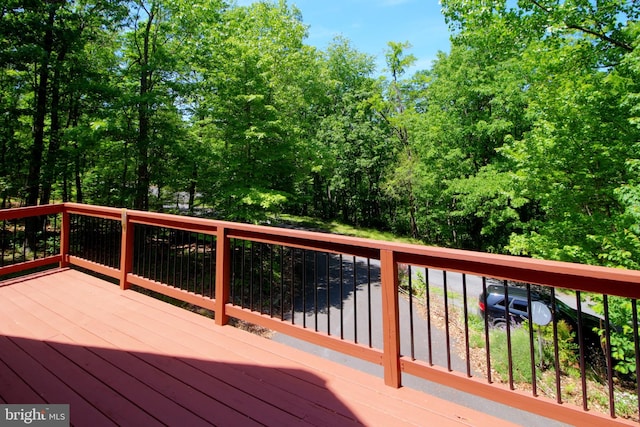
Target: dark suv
x,y
494,310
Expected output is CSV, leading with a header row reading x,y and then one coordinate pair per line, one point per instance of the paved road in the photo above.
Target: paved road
x,y
346,312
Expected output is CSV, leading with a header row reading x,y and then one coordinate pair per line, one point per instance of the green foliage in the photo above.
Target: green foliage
x,y
522,139
621,332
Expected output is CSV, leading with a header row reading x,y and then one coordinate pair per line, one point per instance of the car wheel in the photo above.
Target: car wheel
x,y
500,324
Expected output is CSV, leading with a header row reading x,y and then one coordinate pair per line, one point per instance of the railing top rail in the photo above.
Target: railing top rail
x,y
200,225
590,278
30,211
97,211
554,273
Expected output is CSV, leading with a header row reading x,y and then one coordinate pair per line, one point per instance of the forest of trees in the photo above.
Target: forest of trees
x,y
523,139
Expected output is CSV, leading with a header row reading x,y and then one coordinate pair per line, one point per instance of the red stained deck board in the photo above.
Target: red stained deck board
x,y
128,343
50,387
153,389
127,320
80,378
373,406
255,388
129,384
14,388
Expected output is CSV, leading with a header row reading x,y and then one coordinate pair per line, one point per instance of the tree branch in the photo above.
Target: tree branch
x,y
586,30
604,37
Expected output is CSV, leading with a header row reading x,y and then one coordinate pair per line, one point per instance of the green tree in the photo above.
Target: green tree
x,y
258,111
396,109
351,154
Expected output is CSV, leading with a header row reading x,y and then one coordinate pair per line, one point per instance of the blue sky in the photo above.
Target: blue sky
x,y
370,24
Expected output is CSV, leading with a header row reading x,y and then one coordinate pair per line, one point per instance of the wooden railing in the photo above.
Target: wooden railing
x,y
226,240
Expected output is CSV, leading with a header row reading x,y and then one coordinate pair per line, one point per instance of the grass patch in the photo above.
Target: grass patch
x,y
520,357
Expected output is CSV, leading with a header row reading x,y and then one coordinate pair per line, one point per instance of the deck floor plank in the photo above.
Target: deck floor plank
x,y
11,383
50,387
125,358
157,386
264,385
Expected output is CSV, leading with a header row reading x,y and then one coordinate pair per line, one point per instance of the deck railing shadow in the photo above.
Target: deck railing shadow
x,y
103,384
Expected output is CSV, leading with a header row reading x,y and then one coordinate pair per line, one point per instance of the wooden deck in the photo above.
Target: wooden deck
x,y
122,358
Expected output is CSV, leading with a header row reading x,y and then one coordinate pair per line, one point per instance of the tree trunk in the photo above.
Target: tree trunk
x,y
79,196
32,225
192,188
35,164
141,201
54,139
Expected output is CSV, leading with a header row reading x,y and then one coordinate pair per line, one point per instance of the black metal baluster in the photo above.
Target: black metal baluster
x,y
251,275
196,262
293,289
583,376
466,323
412,337
315,290
104,248
190,236
174,255
3,246
428,301
139,245
341,300
532,352
636,346
56,235
369,302
271,283
181,275
282,267
487,341
509,349
75,233
164,256
156,255
207,271
261,278
355,301
116,239
212,267
95,239
446,319
19,242
109,243
25,241
556,350
35,240
304,288
242,274
328,294
607,332
45,220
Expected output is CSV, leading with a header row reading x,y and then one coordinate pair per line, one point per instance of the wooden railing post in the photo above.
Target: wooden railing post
x,y
390,319
65,233
223,275
126,251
